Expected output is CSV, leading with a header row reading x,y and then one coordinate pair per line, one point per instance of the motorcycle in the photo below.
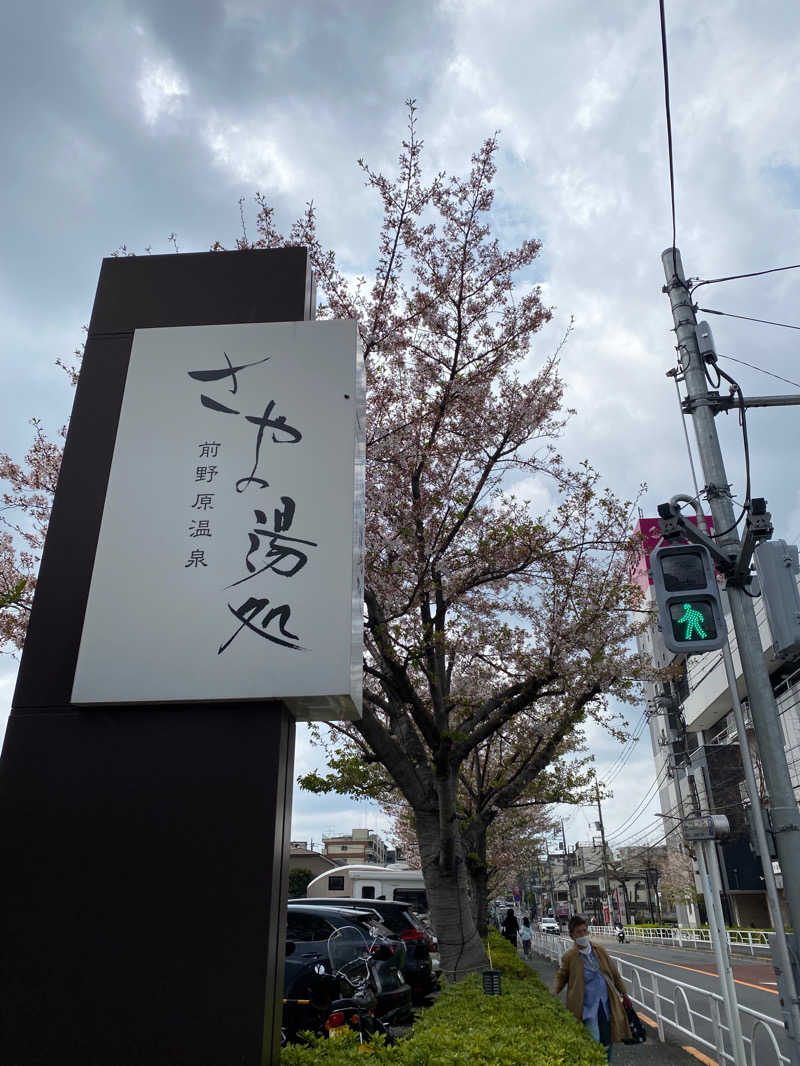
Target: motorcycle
x,y
620,931
342,993
360,982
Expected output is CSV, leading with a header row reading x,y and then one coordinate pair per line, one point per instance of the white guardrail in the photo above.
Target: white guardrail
x,y
666,1000
756,943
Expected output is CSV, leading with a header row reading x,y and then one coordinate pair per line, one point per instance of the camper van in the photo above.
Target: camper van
x,y
367,881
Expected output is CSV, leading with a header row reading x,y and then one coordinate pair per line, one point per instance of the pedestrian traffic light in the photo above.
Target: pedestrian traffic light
x,y
687,595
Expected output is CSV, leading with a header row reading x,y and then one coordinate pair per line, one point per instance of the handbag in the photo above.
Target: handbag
x,y
638,1031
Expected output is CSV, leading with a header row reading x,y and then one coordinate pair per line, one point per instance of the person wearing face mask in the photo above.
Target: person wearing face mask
x,y
594,987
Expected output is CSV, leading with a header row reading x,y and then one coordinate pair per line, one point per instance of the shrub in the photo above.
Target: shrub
x,y
525,1026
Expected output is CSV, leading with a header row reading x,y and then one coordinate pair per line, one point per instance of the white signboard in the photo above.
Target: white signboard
x,y
229,564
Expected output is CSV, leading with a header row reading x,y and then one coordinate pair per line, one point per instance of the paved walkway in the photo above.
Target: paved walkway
x,y
651,1053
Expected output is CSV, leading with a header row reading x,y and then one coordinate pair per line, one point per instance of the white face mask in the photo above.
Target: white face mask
x,y
582,941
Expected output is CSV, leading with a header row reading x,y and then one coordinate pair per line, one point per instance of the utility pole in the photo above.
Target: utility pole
x,y
605,863
570,908
783,806
649,897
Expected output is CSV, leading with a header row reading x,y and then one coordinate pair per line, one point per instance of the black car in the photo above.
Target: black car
x,y
309,928
405,924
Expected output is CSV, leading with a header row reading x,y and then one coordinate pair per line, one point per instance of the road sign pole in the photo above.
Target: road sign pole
x,y
781,959
605,862
709,874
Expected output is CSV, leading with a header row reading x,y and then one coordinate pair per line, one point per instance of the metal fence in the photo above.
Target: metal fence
x,y
755,943
686,1009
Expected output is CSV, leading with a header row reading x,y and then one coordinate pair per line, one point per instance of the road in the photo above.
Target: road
x,y
756,989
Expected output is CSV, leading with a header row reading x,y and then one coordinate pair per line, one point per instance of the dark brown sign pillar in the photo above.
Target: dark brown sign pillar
x,y
143,848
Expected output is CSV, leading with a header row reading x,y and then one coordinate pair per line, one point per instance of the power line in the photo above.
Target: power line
x,y
735,388
619,763
648,798
761,369
747,318
636,838
686,434
736,277
669,123
631,842
626,834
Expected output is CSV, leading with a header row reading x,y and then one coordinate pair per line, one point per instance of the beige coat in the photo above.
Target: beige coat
x,y
571,975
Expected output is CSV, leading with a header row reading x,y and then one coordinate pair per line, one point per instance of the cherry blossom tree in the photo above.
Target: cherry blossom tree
x,y
483,619
24,512
511,842
676,881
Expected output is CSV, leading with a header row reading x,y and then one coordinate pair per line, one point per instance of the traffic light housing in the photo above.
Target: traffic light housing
x,y
688,599
778,564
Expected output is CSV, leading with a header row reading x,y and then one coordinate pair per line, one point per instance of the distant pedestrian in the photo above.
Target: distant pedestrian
x,y
510,926
526,935
594,988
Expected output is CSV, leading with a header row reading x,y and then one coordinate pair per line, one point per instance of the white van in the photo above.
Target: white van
x,y
366,881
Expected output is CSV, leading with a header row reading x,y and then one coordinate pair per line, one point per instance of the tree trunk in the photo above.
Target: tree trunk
x,y
479,886
449,897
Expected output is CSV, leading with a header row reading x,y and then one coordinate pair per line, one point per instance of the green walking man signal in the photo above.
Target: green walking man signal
x,y
688,598
694,622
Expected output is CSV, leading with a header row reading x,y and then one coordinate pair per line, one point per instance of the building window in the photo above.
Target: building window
x,y
336,884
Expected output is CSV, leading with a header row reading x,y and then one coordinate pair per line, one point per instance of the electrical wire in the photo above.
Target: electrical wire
x,y
736,277
636,730
669,131
614,770
589,870
761,369
686,438
611,777
747,318
638,835
648,798
631,834
736,389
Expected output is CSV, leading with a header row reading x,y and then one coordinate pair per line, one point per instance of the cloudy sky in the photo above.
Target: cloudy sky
x,y
123,122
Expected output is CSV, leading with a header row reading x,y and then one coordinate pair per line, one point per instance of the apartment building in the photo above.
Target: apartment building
x,y
359,846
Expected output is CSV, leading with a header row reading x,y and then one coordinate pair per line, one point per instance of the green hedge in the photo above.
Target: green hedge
x,y
525,1026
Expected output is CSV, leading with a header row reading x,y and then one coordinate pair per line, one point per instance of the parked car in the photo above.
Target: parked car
x,y
549,925
419,968
309,927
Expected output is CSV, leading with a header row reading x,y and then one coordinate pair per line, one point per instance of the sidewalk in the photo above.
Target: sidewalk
x,y
651,1053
